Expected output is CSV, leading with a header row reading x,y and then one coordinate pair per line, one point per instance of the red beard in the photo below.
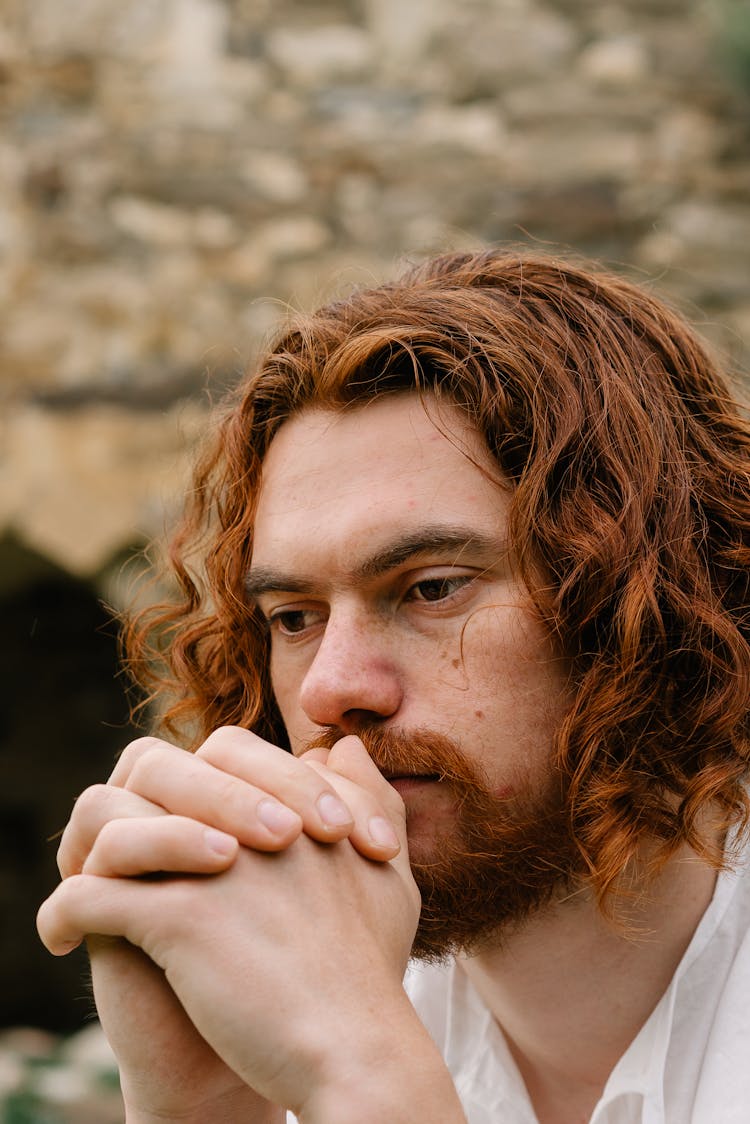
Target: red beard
x,y
504,859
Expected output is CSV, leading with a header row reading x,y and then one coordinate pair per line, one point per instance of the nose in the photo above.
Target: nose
x,y
353,679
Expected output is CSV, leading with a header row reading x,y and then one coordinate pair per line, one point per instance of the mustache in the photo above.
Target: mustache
x,y
418,752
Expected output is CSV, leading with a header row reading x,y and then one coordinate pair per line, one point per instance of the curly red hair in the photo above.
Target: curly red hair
x,y
630,463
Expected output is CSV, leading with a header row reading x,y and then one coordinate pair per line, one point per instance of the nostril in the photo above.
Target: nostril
x,y
355,720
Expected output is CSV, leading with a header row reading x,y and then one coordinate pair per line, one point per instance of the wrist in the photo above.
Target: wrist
x,y
240,1107
395,1073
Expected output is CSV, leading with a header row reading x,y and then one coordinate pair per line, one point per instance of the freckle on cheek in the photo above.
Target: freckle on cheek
x,y
479,713
456,663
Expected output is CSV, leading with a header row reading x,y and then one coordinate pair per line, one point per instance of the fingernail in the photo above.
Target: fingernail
x,y
277,817
219,842
333,811
382,833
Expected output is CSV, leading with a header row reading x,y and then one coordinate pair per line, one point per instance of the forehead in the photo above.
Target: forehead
x,y
351,481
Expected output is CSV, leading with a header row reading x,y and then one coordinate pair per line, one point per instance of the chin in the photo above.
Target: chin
x,y
431,818
427,841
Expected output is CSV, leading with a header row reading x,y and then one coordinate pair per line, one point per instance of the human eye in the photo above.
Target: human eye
x,y
438,588
294,621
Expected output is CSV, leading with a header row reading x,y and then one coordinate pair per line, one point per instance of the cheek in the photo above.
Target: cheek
x,y
500,645
517,687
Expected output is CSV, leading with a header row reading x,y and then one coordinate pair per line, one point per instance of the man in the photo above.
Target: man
x,y
476,549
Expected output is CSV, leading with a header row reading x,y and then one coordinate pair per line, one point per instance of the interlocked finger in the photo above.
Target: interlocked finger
x,y
237,753
93,809
125,848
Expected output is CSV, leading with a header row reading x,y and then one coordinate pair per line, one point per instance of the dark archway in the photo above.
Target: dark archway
x,y
63,718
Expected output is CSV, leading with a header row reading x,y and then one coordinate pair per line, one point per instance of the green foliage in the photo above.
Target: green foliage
x,y
734,37
25,1107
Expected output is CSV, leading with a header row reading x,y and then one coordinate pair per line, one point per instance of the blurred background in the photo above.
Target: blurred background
x,y
174,175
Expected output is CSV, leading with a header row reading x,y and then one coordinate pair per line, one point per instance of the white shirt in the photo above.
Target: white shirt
x,y
689,1063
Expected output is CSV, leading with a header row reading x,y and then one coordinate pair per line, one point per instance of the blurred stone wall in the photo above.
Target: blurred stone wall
x,y
175,173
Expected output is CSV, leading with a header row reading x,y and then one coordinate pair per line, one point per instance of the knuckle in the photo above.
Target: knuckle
x,y
108,837
44,921
66,861
76,836
131,758
220,740
133,750
56,913
148,762
305,783
90,800
65,865
70,891
229,731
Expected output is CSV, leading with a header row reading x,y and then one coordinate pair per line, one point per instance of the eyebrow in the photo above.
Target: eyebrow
x,y
439,539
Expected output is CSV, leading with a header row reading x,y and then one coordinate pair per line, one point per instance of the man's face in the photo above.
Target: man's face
x,y
382,563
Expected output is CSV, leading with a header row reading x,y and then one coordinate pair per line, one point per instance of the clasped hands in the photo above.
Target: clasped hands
x,y
260,965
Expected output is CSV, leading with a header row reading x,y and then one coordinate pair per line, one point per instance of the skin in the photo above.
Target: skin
x,y
382,564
